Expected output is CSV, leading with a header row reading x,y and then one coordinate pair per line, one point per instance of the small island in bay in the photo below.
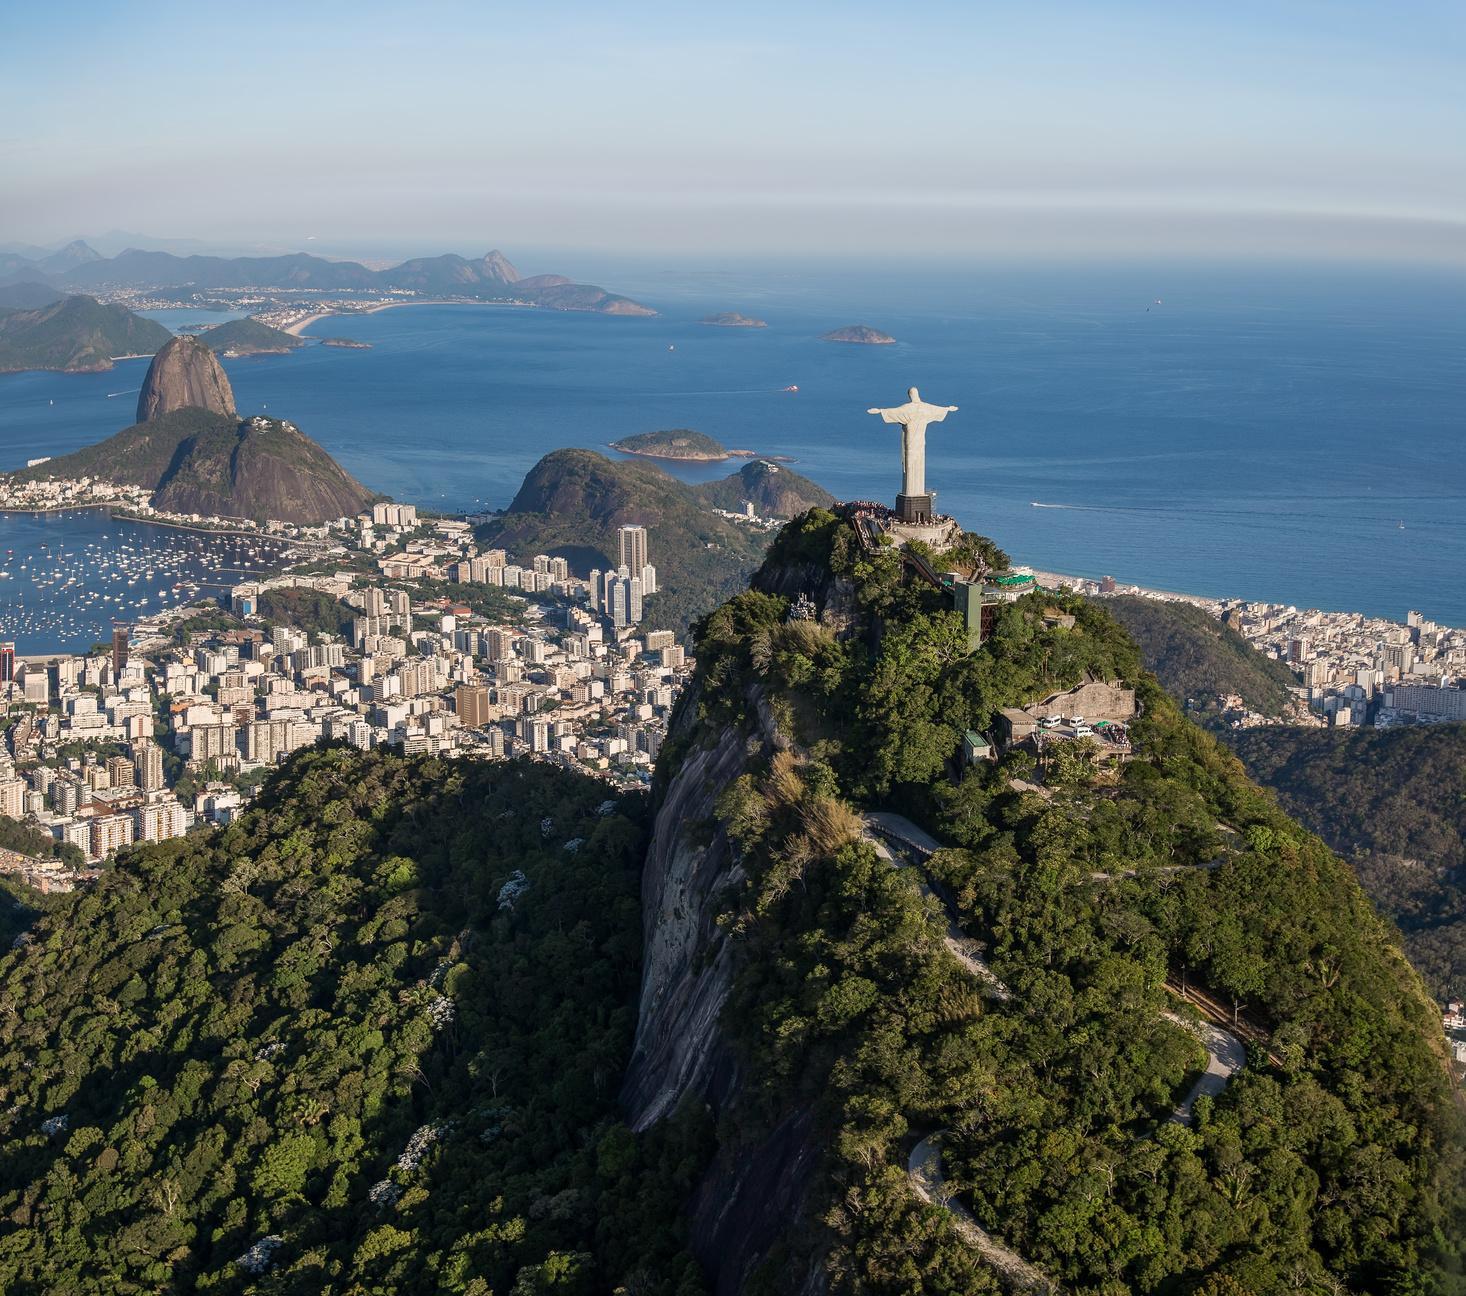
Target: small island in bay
x,y
862,334
674,443
732,319
351,344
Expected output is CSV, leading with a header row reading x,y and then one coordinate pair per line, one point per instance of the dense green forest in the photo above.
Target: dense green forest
x,y
1331,1163
1196,657
20,906
305,609
1392,802
365,1040
27,839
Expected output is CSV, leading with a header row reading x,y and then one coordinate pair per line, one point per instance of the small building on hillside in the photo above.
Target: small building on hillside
x,y
976,602
1095,709
975,748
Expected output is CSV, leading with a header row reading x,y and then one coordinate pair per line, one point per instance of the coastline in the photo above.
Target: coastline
x,y
60,508
285,541
123,516
298,328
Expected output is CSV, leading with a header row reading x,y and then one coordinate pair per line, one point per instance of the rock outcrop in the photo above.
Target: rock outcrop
x,y
184,375
773,490
750,1196
260,469
196,460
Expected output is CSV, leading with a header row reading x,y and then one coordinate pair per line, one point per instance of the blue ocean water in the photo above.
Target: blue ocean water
x,y
1277,433
65,577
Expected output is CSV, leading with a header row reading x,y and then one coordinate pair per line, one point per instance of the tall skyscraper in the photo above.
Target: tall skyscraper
x,y
633,548
119,648
7,662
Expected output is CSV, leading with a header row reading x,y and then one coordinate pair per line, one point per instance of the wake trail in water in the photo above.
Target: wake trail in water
x,y
740,391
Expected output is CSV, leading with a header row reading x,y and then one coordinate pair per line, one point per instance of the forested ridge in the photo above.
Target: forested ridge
x,y
1331,1163
1393,802
368,1038
1197,658
364,1040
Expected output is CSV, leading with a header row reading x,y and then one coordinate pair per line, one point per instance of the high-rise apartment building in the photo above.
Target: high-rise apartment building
x,y
120,772
471,702
110,833
147,764
633,548
119,649
160,820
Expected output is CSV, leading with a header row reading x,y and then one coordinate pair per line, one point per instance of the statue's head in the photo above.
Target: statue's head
x,y
913,394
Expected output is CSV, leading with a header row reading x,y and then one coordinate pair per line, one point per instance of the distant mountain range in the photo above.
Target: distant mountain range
x,y
77,268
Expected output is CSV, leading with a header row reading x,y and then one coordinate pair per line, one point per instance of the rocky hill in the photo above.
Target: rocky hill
x,y
773,489
245,337
211,463
836,1011
934,1007
261,468
184,375
573,501
75,335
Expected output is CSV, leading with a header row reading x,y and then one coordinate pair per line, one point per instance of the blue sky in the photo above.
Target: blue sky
x,y
973,130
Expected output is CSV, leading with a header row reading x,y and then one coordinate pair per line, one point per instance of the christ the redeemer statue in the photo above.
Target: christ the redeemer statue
x,y
914,504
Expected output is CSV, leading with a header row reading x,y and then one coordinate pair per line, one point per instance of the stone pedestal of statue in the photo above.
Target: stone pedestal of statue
x,y
914,508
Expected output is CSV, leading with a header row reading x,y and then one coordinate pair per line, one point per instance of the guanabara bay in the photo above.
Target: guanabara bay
x,y
851,1002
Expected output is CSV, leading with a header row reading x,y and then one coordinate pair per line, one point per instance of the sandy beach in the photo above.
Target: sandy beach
x,y
300,326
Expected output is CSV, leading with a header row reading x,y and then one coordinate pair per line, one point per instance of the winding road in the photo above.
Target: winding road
x,y
1225,1053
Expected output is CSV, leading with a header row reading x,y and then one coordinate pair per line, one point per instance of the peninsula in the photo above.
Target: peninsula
x,y
75,335
732,319
861,334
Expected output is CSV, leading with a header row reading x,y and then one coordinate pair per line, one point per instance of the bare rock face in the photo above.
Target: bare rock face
x,y
752,1194
184,374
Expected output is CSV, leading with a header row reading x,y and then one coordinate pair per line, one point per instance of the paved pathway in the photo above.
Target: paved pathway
x,y
1225,1054
925,1168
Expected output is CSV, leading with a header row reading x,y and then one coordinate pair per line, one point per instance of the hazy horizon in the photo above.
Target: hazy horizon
x,y
1317,130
